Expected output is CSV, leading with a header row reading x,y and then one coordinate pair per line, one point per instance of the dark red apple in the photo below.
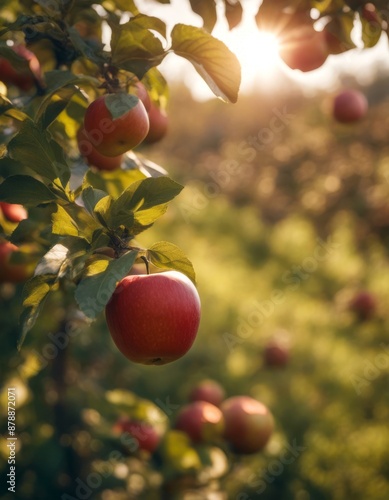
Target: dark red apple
x,y
13,212
158,124
202,421
93,157
145,434
248,424
349,106
25,79
276,354
11,273
364,305
154,318
304,48
116,123
208,390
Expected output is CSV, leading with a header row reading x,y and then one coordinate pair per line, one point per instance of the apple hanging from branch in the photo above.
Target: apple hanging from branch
x,y
154,318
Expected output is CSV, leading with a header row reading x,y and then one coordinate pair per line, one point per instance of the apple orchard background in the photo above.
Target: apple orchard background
x,y
285,217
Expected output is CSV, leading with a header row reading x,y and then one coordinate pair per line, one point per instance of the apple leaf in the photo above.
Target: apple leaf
x,y
206,9
25,190
63,224
135,48
87,50
53,260
217,65
35,292
371,28
35,149
113,183
91,197
146,199
93,292
165,255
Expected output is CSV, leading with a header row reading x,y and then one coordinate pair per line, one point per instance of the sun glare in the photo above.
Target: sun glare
x,y
257,52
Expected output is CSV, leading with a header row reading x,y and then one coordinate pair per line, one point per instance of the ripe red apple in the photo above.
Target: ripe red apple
x,y
249,424
140,90
116,123
208,390
304,49
364,305
154,318
276,354
349,106
146,435
13,212
93,157
158,124
202,421
25,79
11,273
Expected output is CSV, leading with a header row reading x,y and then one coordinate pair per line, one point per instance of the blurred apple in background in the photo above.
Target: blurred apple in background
x,y
13,212
208,390
202,421
364,305
276,354
145,435
349,106
248,424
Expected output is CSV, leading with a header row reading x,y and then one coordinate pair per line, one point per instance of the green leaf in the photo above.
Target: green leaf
x,y
63,224
35,149
165,255
53,261
7,108
113,183
102,209
150,23
147,198
217,65
94,292
51,112
85,49
371,27
206,9
25,190
35,292
91,197
135,48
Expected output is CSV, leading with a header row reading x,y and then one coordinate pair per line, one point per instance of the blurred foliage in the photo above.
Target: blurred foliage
x,y
284,221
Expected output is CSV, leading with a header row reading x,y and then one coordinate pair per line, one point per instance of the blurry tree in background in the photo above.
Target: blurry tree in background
x,y
284,216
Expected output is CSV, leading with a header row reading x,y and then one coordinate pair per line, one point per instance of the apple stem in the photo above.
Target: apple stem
x,y
145,260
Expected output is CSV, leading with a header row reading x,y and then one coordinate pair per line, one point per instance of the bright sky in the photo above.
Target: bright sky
x,y
257,53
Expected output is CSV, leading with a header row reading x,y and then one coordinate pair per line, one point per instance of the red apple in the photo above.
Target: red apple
x,y
93,157
364,305
116,123
248,424
25,79
13,212
158,124
208,390
349,106
11,273
202,421
154,318
304,49
140,90
146,435
276,354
